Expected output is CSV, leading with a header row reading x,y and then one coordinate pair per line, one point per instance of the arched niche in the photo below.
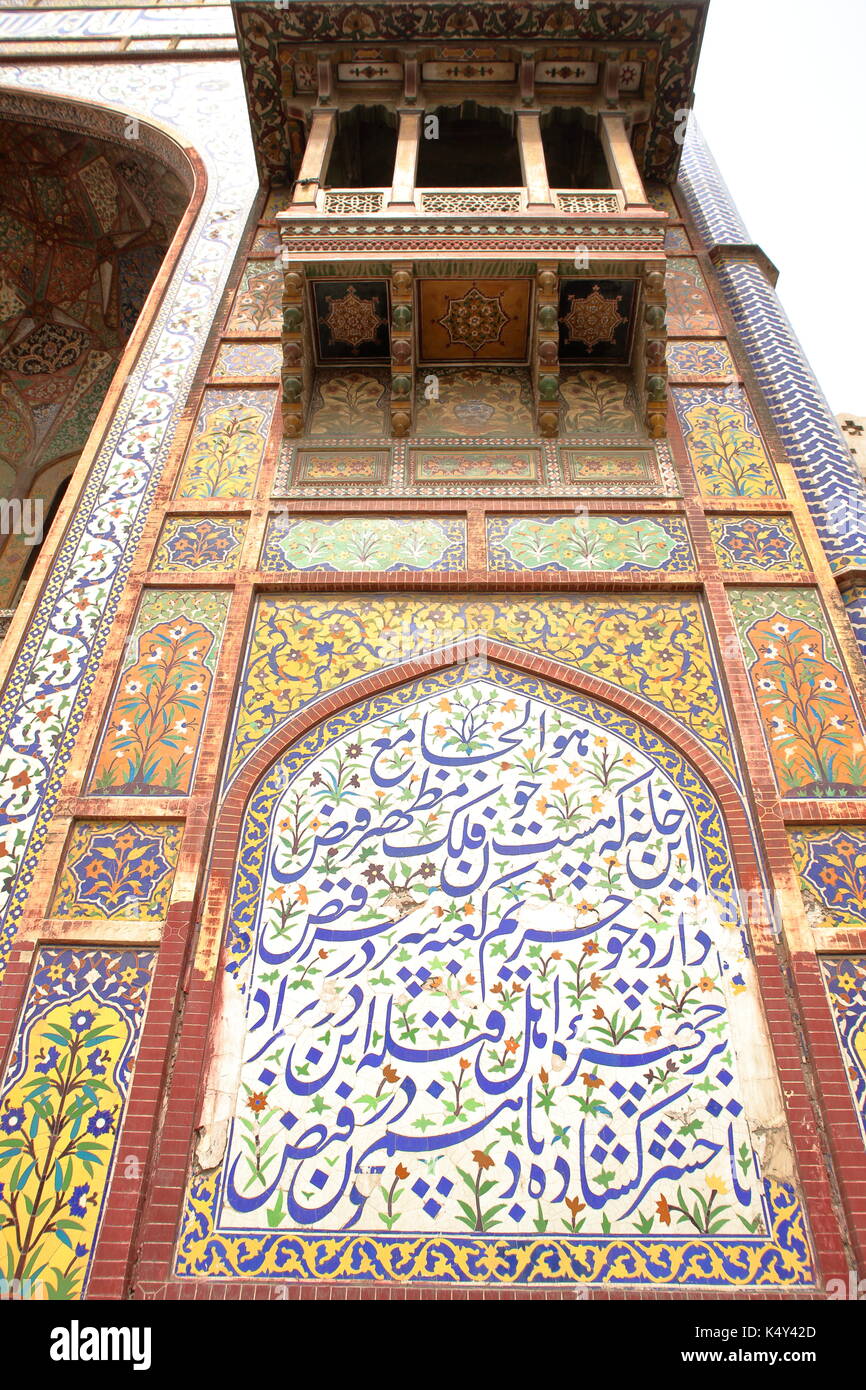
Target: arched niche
x,y
93,208
486,986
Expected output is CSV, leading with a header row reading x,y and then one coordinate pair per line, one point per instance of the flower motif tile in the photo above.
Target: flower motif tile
x,y
811,722
707,360
248,360
118,870
724,445
62,1103
228,443
258,306
845,982
588,542
760,543
388,544
151,735
303,647
199,543
831,867
690,306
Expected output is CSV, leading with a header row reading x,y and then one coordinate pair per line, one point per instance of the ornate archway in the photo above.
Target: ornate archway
x,y
485,975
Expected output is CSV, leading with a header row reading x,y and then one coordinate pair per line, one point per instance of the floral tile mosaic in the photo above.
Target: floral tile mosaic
x,y
598,402
62,1102
118,869
588,542
228,443
474,401
724,445
831,868
389,544
710,361
151,734
810,719
258,306
690,306
349,401
760,543
845,982
51,680
453,1068
267,239
199,543
248,360
301,648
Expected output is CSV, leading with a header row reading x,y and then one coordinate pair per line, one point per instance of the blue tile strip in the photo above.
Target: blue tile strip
x,y
828,476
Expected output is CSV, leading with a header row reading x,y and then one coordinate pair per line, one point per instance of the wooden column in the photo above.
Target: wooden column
x,y
532,160
624,172
320,142
406,161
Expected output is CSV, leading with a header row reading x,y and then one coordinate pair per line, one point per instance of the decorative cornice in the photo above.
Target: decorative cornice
x,y
675,30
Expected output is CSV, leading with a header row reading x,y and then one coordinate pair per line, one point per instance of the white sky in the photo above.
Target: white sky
x,y
781,99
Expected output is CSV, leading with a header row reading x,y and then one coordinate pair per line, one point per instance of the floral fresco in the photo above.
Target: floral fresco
x,y
199,543
690,308
351,402
588,542
598,402
61,1110
845,982
725,448
756,543
474,401
121,870
302,648
258,306
456,1065
831,868
227,445
392,544
811,724
475,465
151,735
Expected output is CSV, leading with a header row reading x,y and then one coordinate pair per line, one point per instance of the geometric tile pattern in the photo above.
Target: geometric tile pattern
x,y
122,870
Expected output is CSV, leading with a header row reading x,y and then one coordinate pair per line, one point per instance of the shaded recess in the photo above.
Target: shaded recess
x,y
85,224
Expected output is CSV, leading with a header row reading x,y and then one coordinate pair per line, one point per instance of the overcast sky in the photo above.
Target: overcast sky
x,y
781,99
